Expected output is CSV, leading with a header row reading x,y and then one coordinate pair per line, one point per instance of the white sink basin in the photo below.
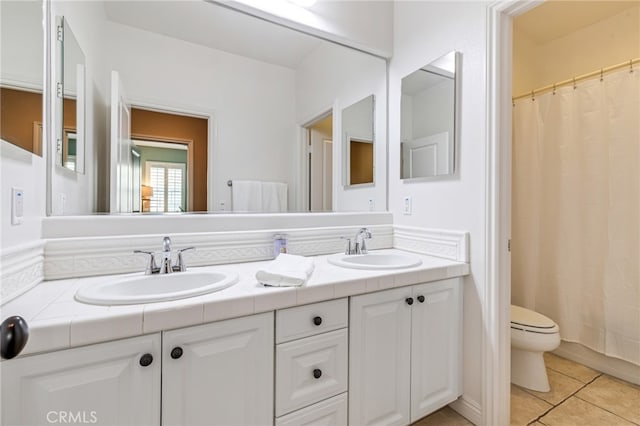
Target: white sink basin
x,y
374,261
155,288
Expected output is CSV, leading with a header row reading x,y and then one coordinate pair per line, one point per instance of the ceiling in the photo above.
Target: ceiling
x,y
217,27
557,18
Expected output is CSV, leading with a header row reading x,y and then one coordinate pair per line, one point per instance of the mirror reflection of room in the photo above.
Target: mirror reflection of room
x,y
358,141
255,83
428,119
21,66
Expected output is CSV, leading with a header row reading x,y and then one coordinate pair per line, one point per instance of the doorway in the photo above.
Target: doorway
x,y
319,140
171,152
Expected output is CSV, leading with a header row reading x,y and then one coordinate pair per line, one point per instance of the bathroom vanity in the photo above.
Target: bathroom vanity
x,y
352,346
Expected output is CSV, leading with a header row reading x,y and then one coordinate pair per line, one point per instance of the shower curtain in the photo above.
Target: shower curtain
x,y
576,211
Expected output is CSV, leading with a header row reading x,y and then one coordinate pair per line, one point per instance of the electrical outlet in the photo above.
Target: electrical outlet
x,y
222,205
407,206
17,206
371,204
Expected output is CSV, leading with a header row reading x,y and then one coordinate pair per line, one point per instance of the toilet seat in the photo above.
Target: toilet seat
x,y
531,321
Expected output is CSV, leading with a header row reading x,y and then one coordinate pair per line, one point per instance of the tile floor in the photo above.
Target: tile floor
x,y
579,396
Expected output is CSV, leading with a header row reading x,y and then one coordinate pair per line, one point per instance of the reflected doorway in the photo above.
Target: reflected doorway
x,y
320,163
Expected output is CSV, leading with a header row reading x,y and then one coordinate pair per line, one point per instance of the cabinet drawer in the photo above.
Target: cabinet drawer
x,y
307,320
332,411
310,369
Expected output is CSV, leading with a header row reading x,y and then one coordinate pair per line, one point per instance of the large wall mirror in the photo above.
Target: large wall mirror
x,y
428,119
358,142
21,69
206,110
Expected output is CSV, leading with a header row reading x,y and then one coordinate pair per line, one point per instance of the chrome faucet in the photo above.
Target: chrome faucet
x,y
359,245
165,264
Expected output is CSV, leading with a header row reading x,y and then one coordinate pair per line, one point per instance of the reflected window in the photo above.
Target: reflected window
x,y
168,181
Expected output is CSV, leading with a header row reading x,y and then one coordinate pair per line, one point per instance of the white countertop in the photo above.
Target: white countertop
x,y
57,321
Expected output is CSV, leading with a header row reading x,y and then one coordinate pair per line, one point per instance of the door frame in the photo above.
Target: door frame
x,y
304,168
496,351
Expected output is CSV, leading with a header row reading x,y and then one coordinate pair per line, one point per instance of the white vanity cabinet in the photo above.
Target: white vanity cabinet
x,y
115,383
405,352
213,374
219,373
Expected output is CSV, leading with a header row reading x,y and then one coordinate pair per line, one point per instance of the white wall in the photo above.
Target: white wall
x,y
424,31
337,78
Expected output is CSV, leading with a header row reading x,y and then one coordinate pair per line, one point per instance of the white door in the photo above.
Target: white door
x,y
436,343
428,156
379,358
103,384
121,169
219,373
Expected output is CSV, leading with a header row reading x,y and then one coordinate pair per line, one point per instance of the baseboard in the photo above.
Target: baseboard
x,y
468,409
22,269
612,366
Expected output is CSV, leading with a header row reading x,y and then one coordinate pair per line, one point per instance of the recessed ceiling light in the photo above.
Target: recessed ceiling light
x,y
304,3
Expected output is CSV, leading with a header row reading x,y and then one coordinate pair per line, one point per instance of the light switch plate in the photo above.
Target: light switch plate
x,y
407,206
17,206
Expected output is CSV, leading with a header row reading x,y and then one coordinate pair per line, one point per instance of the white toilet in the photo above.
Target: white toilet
x,y
532,334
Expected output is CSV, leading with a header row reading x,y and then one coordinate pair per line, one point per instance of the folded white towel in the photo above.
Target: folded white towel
x,y
287,270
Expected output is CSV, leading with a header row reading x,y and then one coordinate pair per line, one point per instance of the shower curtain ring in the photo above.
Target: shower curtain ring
x,y
630,65
533,97
601,74
554,88
574,84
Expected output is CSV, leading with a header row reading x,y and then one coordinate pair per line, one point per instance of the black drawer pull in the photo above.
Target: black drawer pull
x,y
14,333
409,301
317,320
421,299
176,352
146,360
317,373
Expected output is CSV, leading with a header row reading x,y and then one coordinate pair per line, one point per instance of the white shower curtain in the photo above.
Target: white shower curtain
x,y
576,211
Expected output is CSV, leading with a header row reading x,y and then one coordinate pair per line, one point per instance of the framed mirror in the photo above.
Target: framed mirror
x,y
428,117
21,74
358,142
70,100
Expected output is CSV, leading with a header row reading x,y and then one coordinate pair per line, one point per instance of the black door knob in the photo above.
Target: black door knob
x,y
146,360
409,301
317,320
14,333
176,352
317,373
421,299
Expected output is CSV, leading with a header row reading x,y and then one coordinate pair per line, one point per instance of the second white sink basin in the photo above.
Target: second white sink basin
x,y
374,261
155,288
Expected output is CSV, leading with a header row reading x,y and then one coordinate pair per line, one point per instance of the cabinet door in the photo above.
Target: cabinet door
x,y
103,384
436,342
379,358
223,374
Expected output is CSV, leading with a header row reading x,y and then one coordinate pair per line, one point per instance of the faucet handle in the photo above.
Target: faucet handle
x,y
180,266
152,268
348,247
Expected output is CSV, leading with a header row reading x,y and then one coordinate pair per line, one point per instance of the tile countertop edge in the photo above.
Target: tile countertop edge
x,y
78,324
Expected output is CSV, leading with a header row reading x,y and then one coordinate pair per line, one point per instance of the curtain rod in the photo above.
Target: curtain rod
x,y
573,80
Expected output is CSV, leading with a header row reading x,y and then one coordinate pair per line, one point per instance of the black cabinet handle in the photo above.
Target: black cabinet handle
x,y
14,333
146,360
317,373
421,299
409,301
317,320
176,352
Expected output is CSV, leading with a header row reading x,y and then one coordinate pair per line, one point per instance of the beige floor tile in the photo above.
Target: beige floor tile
x,y
562,387
443,417
614,395
569,368
525,408
575,411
